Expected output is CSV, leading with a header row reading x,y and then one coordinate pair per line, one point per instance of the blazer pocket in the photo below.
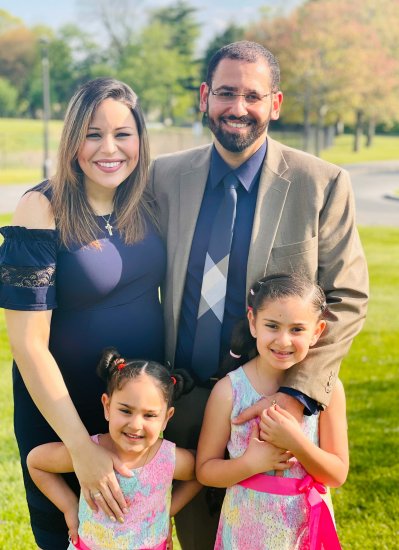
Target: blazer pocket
x,y
294,248
302,256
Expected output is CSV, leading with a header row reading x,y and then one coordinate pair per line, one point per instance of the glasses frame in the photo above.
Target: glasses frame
x,y
234,95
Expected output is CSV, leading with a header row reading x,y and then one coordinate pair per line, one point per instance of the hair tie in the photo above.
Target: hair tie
x,y
234,355
173,380
120,363
250,308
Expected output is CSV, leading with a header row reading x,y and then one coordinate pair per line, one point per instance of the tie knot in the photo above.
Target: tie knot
x,y
230,181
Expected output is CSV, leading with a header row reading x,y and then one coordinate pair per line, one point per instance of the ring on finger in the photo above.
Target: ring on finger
x,y
96,495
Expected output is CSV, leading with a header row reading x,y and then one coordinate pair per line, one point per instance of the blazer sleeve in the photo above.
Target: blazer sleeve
x,y
343,275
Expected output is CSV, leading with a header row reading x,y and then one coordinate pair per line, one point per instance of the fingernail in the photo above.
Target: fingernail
x,y
125,510
112,518
121,520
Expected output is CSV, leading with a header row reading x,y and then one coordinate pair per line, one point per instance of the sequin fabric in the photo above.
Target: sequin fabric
x,y
253,520
148,495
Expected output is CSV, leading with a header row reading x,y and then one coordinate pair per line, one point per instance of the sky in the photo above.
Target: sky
x,y
213,15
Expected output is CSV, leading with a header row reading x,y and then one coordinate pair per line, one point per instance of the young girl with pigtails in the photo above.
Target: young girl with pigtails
x,y
276,496
137,405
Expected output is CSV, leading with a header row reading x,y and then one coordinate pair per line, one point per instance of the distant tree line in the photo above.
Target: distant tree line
x,y
339,60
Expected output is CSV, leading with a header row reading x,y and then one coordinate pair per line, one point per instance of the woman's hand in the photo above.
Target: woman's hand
x,y
280,428
262,456
94,467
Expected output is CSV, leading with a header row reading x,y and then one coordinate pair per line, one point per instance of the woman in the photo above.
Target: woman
x,y
80,271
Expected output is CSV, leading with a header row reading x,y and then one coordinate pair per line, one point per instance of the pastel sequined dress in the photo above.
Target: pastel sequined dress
x,y
252,520
148,495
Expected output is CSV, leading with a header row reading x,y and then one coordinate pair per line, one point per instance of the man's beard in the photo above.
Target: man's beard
x,y
236,142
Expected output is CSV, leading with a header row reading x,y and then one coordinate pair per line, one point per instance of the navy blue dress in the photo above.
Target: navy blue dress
x,y
100,296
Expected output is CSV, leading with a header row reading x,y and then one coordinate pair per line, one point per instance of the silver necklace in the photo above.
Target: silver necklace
x,y
274,402
108,226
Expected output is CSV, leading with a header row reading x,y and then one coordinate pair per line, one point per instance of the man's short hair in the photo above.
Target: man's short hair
x,y
250,52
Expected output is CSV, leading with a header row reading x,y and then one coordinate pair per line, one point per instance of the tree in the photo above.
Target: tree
x,y
17,55
335,58
8,98
233,33
180,18
159,63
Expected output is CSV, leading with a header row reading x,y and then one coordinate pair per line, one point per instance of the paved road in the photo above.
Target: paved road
x,y
372,184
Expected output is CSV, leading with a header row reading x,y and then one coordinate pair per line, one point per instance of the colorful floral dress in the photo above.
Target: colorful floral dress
x,y
252,520
148,496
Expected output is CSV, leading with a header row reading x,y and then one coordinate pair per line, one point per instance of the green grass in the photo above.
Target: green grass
x,y
367,506
383,148
21,145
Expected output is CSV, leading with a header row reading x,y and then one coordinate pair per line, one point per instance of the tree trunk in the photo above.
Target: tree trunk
x,y
320,129
339,127
358,131
370,132
306,128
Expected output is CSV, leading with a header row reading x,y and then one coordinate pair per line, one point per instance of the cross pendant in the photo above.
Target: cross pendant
x,y
108,227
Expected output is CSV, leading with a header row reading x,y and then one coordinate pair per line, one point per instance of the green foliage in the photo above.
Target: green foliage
x,y
8,98
233,33
334,56
180,18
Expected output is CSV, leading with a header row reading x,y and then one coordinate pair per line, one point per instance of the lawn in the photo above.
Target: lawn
x,y
21,142
383,148
367,506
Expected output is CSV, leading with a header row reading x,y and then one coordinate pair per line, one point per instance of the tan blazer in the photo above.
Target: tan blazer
x,y
304,220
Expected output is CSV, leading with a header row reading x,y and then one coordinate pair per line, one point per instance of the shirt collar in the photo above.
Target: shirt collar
x,y
246,172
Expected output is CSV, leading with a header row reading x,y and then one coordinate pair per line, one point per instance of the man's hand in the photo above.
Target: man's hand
x,y
284,400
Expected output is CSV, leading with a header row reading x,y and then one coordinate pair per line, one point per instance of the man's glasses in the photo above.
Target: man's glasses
x,y
224,96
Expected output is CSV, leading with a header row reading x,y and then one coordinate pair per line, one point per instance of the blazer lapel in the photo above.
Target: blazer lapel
x,y
272,193
191,191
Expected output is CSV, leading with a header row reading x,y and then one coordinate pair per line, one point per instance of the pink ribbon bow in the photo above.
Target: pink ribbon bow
x,y
322,531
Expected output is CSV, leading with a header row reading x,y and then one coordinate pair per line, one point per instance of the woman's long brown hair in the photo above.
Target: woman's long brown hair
x,y
74,217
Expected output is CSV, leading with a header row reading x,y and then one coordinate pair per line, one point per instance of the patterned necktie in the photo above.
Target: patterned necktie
x,y
206,351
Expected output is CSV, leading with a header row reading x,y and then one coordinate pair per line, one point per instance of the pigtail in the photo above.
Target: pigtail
x,y
242,348
182,383
107,365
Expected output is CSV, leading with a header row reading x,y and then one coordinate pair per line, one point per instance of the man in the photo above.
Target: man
x,y
289,211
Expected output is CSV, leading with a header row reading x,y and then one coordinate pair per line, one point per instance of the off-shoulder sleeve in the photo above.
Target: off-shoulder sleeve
x,y
27,268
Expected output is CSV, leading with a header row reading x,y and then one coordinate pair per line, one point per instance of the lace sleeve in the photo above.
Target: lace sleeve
x,y
28,268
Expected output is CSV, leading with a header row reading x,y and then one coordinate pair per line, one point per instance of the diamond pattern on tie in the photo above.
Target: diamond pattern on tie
x,y
206,349
214,287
